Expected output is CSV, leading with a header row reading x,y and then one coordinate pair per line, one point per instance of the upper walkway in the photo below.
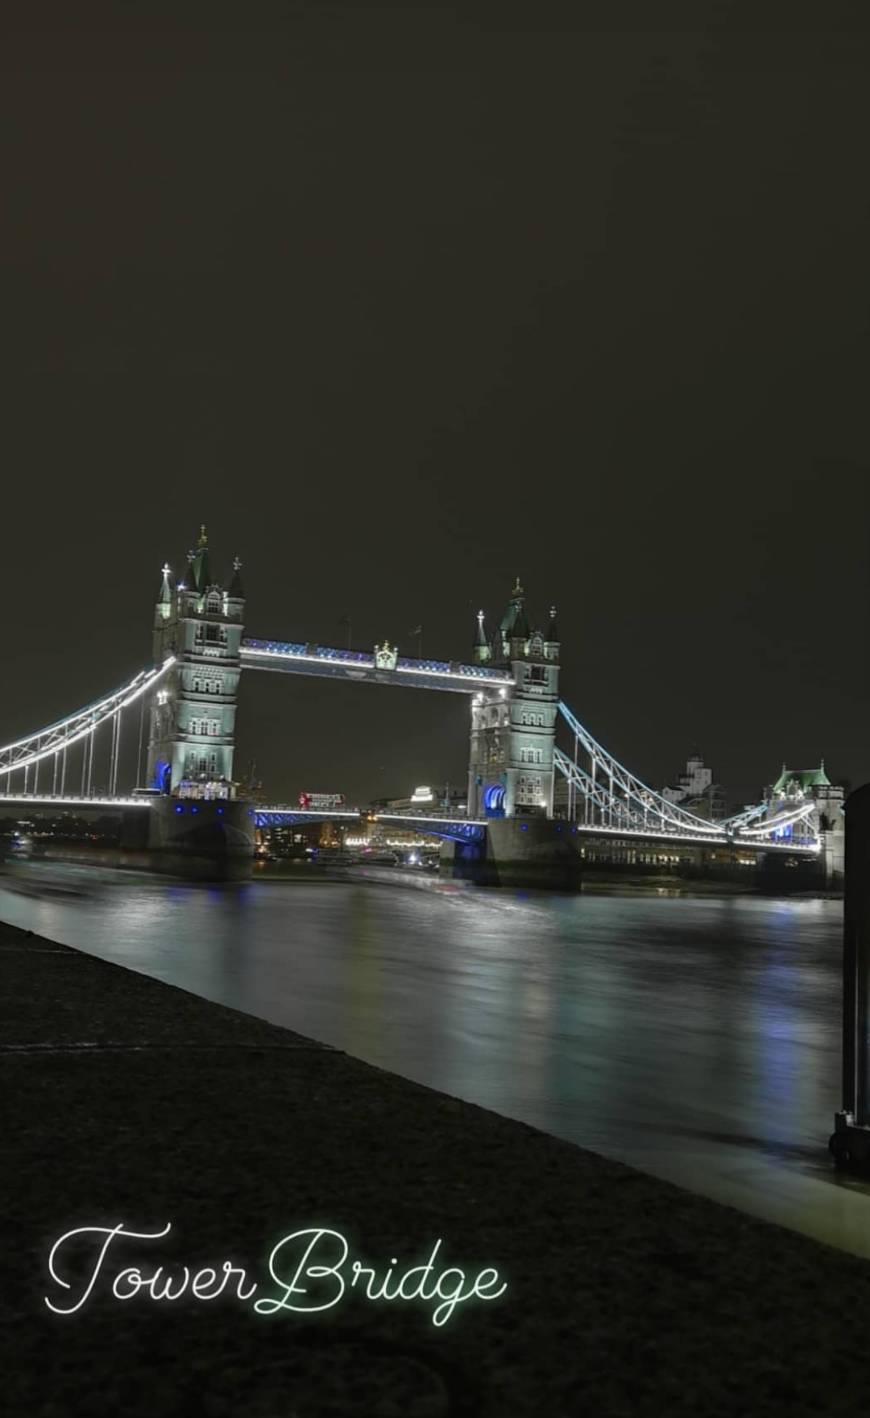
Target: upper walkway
x,y
376,667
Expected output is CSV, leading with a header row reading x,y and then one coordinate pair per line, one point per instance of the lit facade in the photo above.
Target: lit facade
x,y
513,728
193,712
696,791
815,804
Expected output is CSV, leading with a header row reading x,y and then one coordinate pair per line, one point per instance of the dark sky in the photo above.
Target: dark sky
x,y
404,300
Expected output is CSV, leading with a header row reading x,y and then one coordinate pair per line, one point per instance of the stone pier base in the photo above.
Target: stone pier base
x,y
203,841
518,851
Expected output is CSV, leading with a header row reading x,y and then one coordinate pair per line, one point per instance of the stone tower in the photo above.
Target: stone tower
x,y
796,787
193,712
513,729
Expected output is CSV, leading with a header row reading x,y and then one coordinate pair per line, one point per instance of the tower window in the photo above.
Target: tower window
x,y
528,789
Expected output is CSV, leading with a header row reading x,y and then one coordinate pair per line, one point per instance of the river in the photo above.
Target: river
x,y
695,1037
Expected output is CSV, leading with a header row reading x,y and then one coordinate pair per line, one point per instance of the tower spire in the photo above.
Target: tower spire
x,y
165,597
199,572
236,590
482,648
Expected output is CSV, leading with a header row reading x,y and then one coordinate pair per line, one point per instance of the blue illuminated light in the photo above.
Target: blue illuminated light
x,y
220,812
178,807
493,800
194,809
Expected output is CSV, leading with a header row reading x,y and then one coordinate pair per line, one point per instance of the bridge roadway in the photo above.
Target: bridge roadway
x,y
454,828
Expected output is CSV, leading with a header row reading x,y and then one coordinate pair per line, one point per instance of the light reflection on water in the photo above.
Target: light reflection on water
x,y
697,1037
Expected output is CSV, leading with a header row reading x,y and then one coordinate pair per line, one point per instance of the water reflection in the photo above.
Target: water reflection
x,y
695,1037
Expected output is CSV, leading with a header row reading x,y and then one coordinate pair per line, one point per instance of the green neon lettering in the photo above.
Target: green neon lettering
x,y
304,1269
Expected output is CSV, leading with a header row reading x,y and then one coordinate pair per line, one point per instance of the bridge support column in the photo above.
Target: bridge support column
x,y
525,852
198,840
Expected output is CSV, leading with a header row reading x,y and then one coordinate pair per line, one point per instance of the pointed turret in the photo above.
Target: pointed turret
x,y
521,628
165,596
199,569
515,622
236,590
163,610
482,650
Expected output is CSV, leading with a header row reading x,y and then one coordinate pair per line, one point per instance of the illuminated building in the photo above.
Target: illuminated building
x,y
513,728
190,749
695,790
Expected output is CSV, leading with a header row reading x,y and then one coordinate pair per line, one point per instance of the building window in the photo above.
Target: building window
x,y
536,674
212,634
531,719
213,604
531,755
528,790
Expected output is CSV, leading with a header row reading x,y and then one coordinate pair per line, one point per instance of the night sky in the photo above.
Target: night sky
x,y
406,300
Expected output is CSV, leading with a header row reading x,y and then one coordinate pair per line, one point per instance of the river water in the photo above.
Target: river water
x,y
697,1038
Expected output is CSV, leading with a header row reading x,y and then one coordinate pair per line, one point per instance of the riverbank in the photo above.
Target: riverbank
x,y
131,1101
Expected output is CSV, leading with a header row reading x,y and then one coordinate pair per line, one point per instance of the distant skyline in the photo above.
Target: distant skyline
x,y
404,303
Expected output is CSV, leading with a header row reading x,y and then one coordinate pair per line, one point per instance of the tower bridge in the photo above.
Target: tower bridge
x,y
181,711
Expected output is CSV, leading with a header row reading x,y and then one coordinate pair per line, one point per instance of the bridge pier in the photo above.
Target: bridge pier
x,y
199,840
518,851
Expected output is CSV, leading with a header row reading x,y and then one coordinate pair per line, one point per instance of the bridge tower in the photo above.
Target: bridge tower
x,y
513,730
193,713
798,786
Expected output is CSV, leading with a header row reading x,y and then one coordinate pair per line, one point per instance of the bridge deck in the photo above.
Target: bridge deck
x,y
288,658
439,825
